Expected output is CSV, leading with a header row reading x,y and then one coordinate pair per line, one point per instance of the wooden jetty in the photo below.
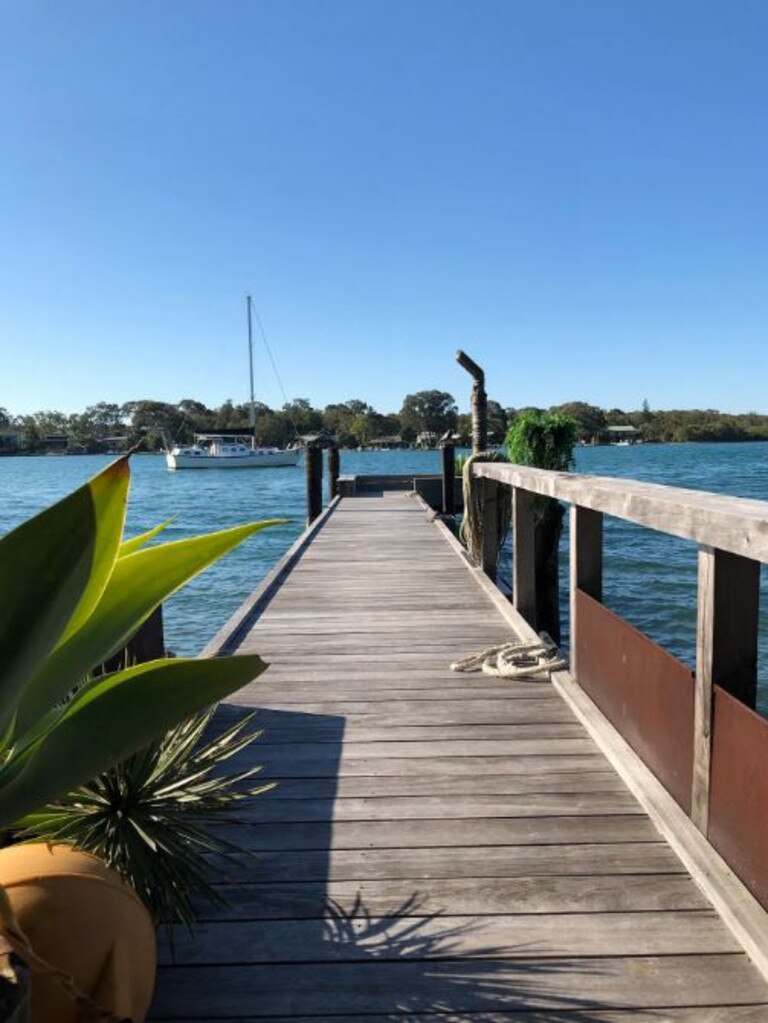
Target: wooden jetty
x,y
445,847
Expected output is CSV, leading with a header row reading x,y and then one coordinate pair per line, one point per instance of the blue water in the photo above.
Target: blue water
x,y
650,579
201,501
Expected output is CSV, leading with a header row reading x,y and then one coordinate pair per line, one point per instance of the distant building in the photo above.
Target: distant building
x,y
387,443
55,443
622,435
427,439
116,445
10,442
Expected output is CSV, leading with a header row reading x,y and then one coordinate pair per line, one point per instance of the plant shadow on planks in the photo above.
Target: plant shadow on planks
x,y
305,936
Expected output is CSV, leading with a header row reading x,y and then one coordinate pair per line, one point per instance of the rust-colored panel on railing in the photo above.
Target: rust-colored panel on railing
x,y
738,793
645,692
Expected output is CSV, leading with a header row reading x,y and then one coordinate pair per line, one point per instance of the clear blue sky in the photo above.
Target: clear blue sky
x,y
576,191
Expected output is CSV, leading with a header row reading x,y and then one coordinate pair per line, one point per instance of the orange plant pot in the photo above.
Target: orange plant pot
x,y
82,918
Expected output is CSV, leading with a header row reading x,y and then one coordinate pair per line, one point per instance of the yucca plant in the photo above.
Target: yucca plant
x,y
148,818
72,593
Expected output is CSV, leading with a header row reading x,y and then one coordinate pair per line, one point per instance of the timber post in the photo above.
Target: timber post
x,y
524,574
313,468
449,473
586,567
479,402
489,503
726,654
146,644
333,470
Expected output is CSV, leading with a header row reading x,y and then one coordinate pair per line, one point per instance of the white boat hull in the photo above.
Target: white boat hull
x,y
251,460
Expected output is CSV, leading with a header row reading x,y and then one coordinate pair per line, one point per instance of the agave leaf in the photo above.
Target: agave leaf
x,y
137,542
112,718
53,571
139,583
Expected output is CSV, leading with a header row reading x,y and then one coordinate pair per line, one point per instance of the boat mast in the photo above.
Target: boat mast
x,y
250,367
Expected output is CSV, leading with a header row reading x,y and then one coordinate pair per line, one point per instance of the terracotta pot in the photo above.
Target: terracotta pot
x,y
80,917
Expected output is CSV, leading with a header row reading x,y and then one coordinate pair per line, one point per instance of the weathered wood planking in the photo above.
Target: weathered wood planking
x,y
468,985
439,847
602,893
702,1014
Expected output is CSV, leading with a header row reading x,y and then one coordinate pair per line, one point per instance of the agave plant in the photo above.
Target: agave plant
x,y
147,817
72,593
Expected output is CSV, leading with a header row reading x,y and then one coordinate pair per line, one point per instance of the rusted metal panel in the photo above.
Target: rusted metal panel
x,y
738,794
645,692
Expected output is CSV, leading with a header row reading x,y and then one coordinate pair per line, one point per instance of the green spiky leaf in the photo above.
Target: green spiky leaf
x,y
53,571
138,584
110,719
135,543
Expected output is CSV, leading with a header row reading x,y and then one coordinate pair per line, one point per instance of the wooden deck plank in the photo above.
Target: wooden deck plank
x,y
701,1014
470,985
400,833
423,808
358,935
600,893
483,784
440,847
456,862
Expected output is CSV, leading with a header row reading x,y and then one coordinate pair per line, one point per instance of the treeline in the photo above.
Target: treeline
x,y
668,425
354,422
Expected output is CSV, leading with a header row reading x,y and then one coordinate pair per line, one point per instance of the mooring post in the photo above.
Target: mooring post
x,y
449,473
333,470
313,467
146,644
479,403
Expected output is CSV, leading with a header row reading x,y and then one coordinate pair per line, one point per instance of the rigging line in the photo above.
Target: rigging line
x,y
263,333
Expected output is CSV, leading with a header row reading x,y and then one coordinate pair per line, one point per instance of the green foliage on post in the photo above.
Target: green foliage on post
x,y
544,440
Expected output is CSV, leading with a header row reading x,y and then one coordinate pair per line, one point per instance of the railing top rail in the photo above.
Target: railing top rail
x,y
735,524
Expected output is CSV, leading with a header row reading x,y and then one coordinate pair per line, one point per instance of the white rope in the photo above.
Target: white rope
x,y
534,662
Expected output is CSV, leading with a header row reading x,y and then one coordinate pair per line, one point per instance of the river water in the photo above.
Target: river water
x,y
650,578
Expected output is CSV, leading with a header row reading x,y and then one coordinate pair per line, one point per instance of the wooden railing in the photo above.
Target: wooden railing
x,y
698,732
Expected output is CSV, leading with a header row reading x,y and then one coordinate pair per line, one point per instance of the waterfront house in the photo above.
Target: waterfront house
x,y
387,443
622,435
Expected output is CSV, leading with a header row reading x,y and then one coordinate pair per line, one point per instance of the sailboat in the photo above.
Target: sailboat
x,y
231,449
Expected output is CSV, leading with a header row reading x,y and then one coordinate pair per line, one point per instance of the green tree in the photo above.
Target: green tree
x,y
497,422
157,422
305,418
589,418
428,411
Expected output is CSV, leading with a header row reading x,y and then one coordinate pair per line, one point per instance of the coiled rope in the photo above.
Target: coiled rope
x,y
532,662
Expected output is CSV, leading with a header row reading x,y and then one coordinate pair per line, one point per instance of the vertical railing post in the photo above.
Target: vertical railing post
x,y
586,561
524,555
449,477
333,471
726,654
489,503
313,467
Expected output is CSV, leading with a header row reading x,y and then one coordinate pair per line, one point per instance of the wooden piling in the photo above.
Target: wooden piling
x,y
147,644
313,467
333,471
449,478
